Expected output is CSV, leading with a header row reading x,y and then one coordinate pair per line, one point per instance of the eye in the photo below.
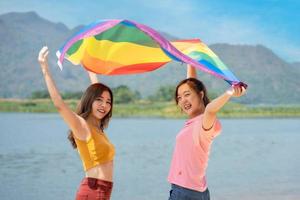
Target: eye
x,y
98,99
178,99
187,94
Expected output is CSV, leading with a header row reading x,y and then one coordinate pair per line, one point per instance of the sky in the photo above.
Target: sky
x,y
272,23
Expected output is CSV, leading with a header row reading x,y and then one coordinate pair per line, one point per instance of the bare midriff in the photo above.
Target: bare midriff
x,y
102,171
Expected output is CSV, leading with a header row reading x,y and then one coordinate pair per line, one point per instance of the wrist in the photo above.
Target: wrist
x,y
230,92
45,71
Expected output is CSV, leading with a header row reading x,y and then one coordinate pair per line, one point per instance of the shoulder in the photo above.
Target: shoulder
x,y
211,132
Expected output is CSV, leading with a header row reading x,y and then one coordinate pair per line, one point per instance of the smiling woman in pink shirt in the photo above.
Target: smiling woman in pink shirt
x,y
193,142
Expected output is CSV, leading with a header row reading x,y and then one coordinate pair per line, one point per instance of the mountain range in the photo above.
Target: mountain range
x,y
271,79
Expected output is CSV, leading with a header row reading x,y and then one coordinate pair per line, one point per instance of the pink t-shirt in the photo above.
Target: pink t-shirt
x,y
191,153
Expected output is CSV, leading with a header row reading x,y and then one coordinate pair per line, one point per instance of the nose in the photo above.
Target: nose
x,y
102,104
184,100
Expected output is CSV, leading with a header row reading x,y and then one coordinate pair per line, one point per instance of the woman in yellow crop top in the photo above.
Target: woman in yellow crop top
x,y
86,133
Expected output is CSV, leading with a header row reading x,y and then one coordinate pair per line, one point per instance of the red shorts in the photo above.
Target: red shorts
x,y
94,189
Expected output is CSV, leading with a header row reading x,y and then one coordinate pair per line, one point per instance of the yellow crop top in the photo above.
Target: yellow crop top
x,y
96,150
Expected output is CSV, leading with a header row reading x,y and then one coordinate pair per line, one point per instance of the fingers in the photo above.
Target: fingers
x,y
238,90
243,90
43,54
43,51
46,54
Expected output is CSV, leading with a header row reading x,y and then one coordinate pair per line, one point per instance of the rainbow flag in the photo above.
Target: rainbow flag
x,y
114,47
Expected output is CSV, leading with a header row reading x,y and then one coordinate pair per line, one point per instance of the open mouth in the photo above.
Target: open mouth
x,y
187,107
101,111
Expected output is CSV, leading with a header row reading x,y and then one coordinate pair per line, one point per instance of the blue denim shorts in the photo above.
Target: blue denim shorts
x,y
180,193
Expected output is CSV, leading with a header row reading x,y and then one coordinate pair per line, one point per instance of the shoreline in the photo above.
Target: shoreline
x,y
148,109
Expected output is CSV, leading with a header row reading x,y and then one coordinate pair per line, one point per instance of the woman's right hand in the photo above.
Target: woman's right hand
x,y
43,58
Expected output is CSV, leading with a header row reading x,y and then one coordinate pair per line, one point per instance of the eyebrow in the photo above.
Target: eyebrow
x,y
184,93
101,97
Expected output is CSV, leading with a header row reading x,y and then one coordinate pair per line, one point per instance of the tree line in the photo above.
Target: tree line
x,y
122,94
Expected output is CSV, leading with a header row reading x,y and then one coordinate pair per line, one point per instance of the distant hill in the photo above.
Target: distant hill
x,y
296,64
271,80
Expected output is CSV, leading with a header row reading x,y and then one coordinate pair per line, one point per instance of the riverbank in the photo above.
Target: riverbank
x,y
152,109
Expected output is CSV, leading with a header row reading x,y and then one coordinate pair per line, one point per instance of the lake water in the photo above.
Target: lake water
x,y
252,159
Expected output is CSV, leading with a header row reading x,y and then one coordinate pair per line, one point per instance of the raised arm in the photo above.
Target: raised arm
x,y
191,72
214,106
93,77
76,123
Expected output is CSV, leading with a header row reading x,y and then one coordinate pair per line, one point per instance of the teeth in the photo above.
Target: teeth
x,y
188,106
102,111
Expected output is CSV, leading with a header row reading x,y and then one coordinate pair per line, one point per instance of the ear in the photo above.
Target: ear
x,y
201,95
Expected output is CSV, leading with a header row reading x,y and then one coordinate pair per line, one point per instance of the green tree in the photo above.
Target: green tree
x,y
72,95
164,93
40,94
123,94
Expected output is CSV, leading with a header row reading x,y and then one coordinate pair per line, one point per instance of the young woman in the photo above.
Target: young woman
x,y
193,142
86,133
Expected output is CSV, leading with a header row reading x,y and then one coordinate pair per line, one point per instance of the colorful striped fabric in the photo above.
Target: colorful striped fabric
x,y
114,47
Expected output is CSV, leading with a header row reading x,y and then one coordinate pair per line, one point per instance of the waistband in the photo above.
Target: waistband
x,y
94,182
190,191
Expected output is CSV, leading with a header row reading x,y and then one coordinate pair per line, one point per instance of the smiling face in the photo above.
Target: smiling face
x,y
96,105
189,101
101,105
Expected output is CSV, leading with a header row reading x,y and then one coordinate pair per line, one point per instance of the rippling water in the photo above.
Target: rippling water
x,y
252,159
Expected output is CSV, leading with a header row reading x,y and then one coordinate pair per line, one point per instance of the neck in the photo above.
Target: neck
x,y
93,121
197,112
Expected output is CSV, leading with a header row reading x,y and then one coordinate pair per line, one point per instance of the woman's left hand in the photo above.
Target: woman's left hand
x,y
236,91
